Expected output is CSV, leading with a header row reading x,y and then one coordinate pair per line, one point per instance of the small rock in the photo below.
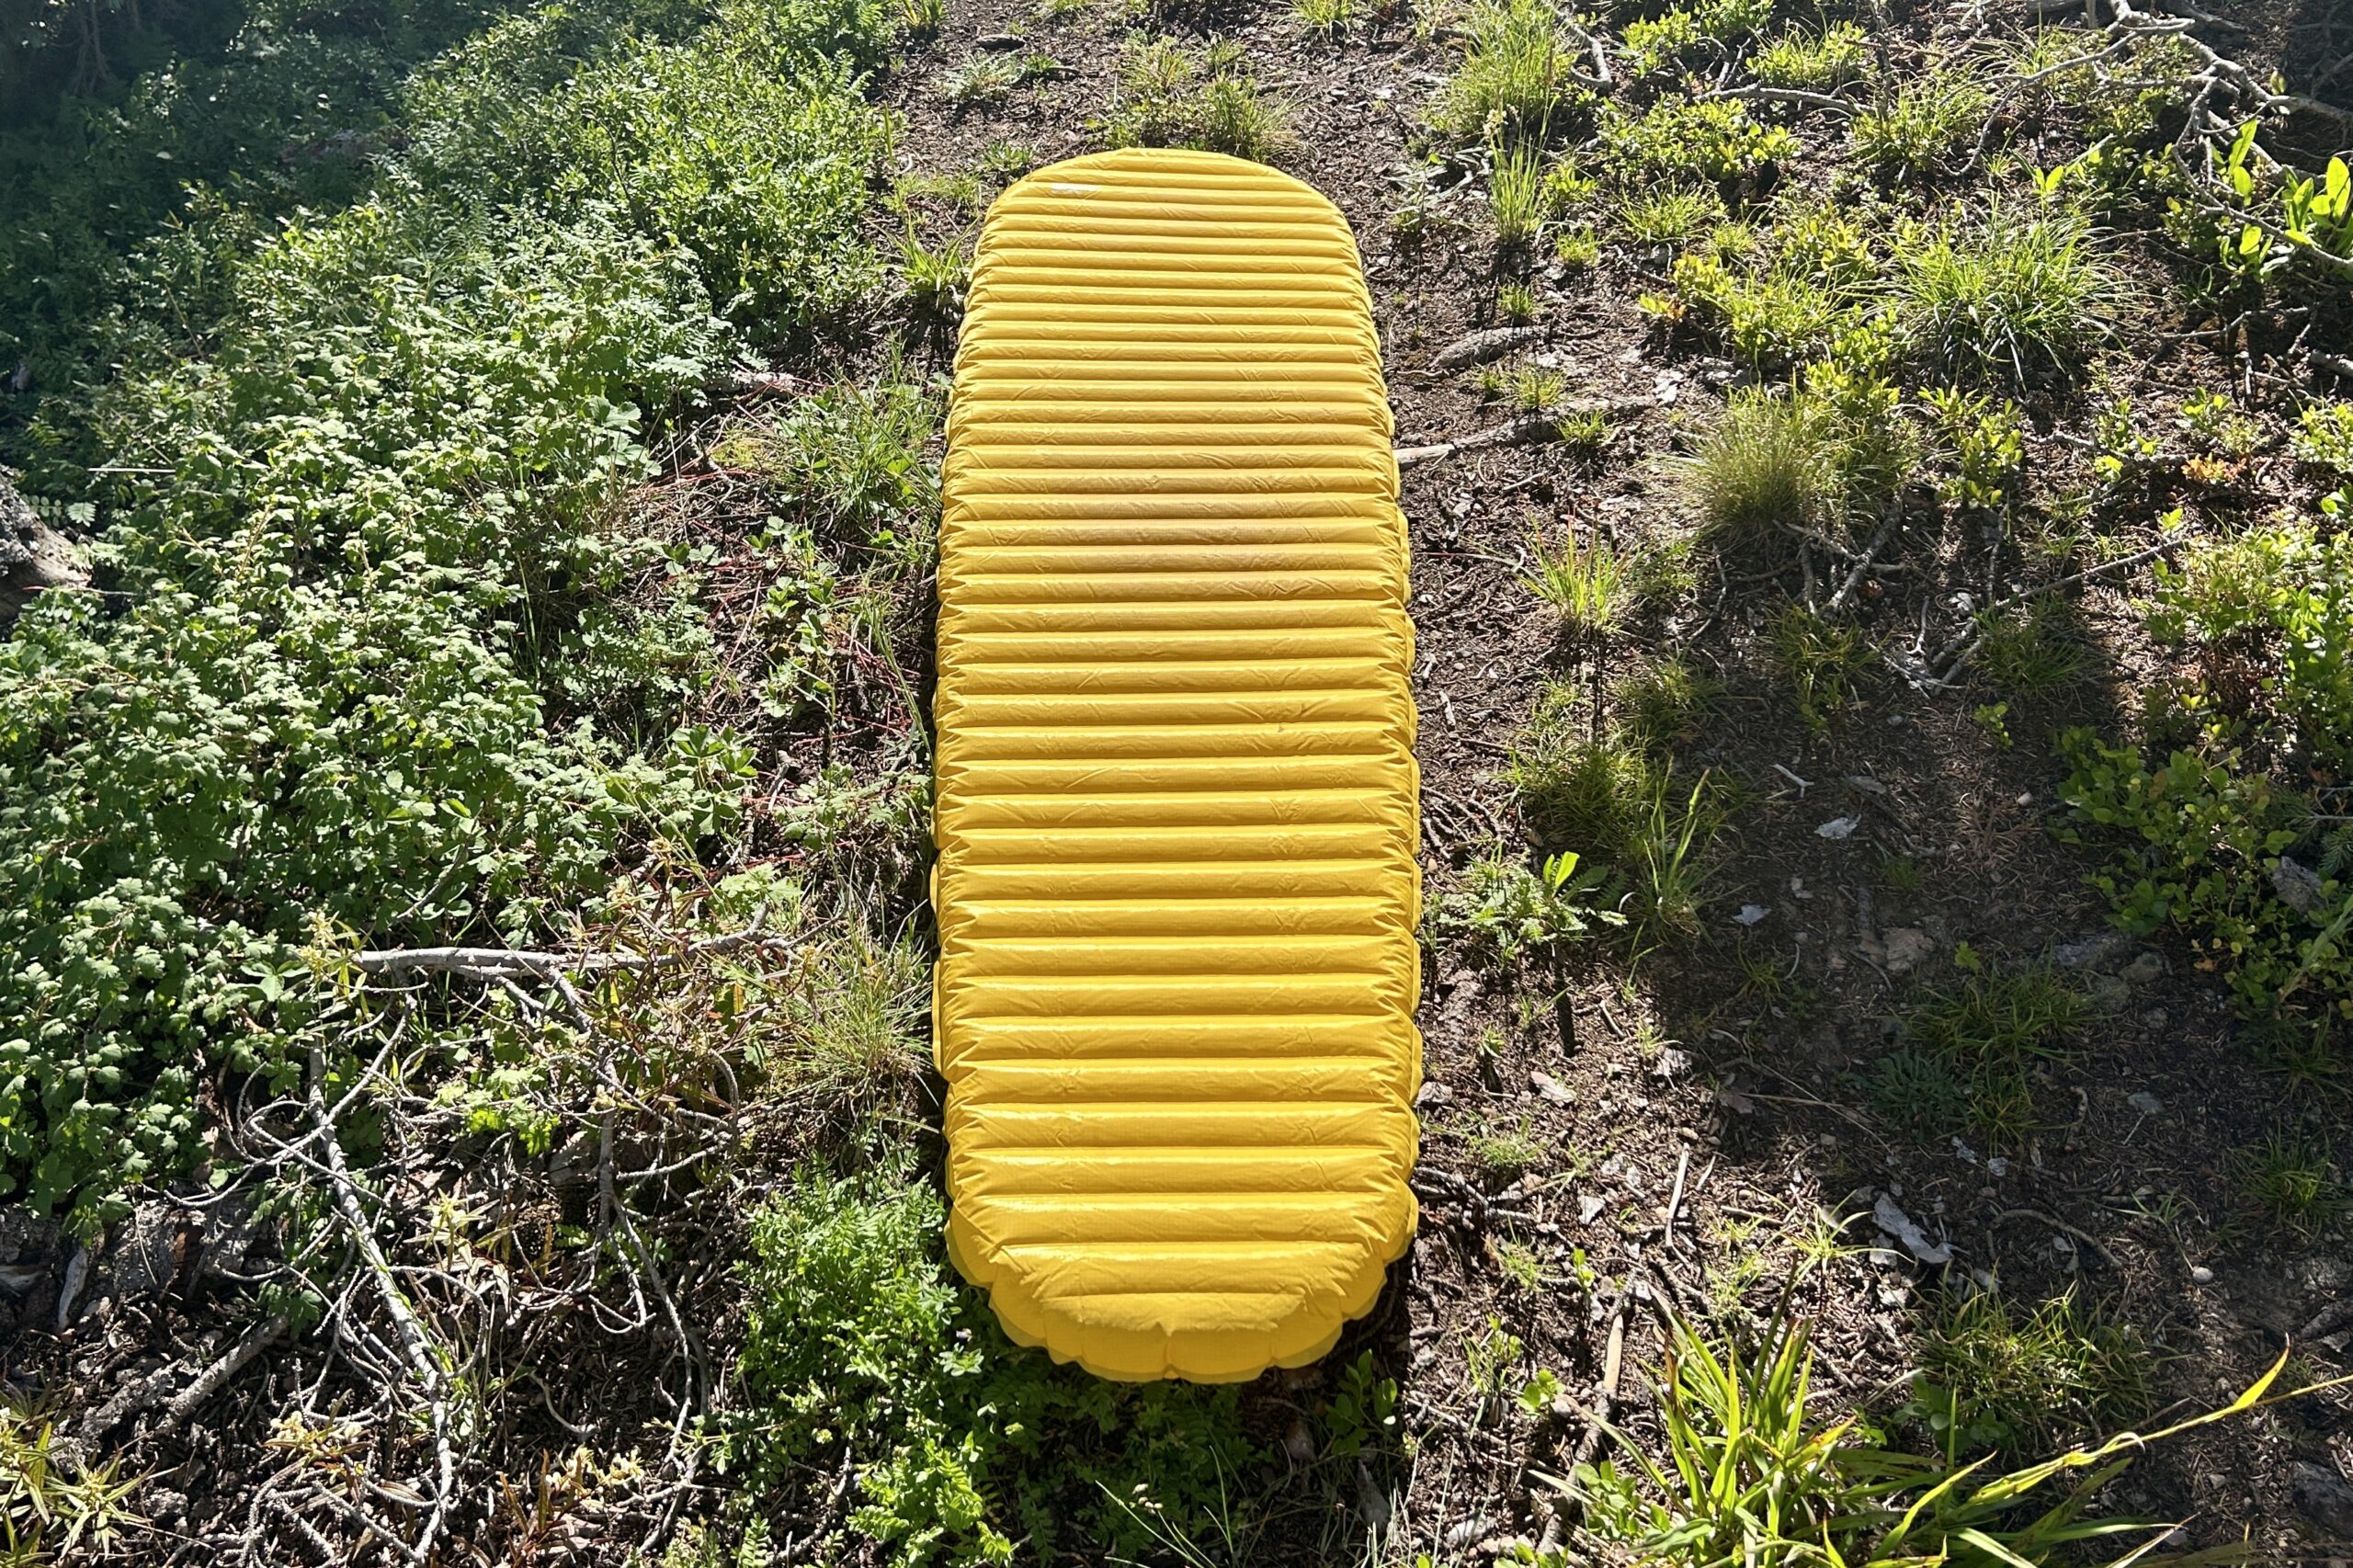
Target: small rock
x,y
1891,1218
2097,951
2146,970
1750,913
1671,1064
1997,1165
1298,1445
2298,885
2322,1496
1838,828
1907,946
2201,1275
1552,1088
2145,1103
1433,1093
69,1295
1000,40
2110,992
1589,1209
2157,1017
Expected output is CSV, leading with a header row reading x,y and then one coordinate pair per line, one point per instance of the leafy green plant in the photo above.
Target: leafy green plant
x,y
1666,217
1576,248
1506,911
935,278
1679,139
983,79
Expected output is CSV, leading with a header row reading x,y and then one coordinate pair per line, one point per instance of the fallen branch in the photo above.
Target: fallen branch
x,y
1755,90
214,1378
1527,430
1480,347
494,963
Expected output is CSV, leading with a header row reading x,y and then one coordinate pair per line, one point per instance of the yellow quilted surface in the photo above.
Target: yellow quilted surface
x,y
1176,813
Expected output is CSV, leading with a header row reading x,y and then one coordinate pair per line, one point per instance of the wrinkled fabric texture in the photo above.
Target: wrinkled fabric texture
x,y
1176,822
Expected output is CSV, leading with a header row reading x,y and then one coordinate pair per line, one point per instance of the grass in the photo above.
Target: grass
x,y
1577,249
1671,216
1759,1474
2033,651
1328,18
1927,121
1516,194
1661,704
1171,94
1508,1151
1816,62
1591,792
2010,297
1588,586
935,278
1763,465
1532,389
2291,1184
1515,74
1516,303
1920,1091
1988,1033
1670,862
1824,658
919,19
1996,1377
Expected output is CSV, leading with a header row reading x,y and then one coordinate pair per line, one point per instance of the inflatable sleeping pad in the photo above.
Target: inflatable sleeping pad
x,y
1176,812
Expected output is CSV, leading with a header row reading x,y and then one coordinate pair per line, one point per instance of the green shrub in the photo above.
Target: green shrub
x,y
859,1341
1679,139
1814,63
747,145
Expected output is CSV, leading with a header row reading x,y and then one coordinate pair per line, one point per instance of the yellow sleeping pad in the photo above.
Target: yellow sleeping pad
x,y
1176,820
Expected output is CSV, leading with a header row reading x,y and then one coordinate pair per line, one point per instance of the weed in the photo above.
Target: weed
x,y
1669,216
1929,118
1489,1361
2291,1182
1755,1476
1574,789
1567,185
1172,95
2010,297
958,192
935,279
2033,651
1534,389
1519,1263
1994,718
1329,17
1003,161
1515,75
1576,249
1363,1412
1991,1377
1901,873
1517,193
1494,381
1587,586
1654,42
1061,10
51,1504
1814,63
919,19
1662,703
1504,911
981,81
1920,1091
1823,658
1506,1151
1516,303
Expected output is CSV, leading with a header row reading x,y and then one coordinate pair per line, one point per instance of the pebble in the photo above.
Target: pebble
x,y
2201,1275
